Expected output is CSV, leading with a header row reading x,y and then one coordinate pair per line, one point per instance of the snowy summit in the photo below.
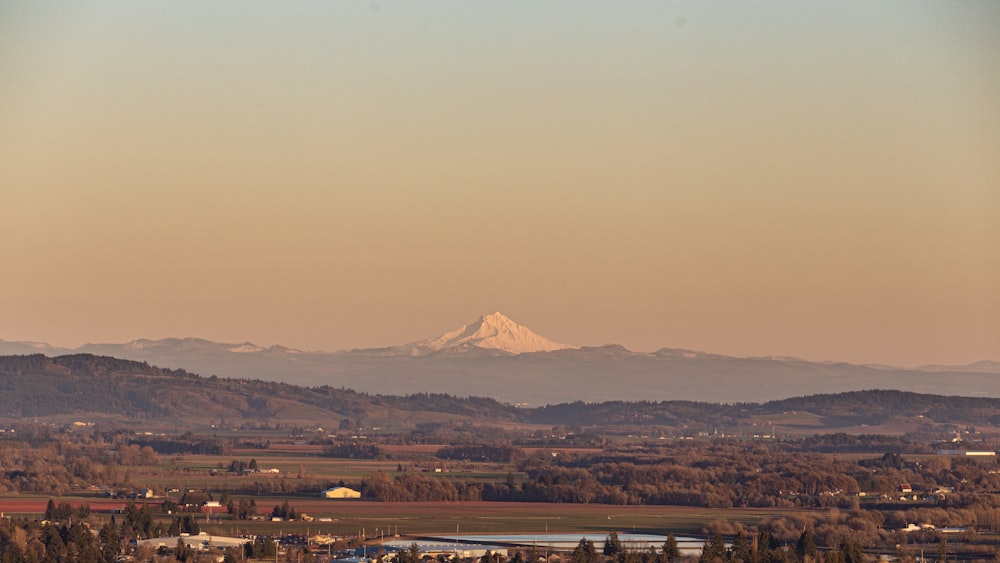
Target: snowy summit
x,y
494,331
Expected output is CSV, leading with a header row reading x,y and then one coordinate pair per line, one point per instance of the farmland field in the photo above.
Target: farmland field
x,y
349,517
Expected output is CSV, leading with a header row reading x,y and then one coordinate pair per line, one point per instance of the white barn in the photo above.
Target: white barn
x,y
340,492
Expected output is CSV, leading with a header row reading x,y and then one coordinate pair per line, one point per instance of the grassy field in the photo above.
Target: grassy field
x,y
176,474
212,471
351,517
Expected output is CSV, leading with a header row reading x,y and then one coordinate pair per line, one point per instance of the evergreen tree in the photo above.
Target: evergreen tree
x,y
805,547
741,550
82,511
189,525
83,545
766,542
181,551
52,540
411,555
50,511
612,545
671,551
584,552
852,552
111,540
713,550
260,548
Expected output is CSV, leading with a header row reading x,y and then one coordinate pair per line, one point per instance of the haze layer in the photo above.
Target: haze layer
x,y
817,180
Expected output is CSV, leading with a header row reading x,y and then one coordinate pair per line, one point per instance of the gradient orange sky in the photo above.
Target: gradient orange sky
x,y
816,179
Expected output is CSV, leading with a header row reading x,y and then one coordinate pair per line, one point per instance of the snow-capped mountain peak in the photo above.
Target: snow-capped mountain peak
x,y
246,347
493,331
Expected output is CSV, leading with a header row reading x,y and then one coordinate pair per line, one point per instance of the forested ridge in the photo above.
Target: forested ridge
x,y
40,386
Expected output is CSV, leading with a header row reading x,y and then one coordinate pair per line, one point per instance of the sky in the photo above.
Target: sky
x,y
810,179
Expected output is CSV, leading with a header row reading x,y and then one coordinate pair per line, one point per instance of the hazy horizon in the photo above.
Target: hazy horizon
x,y
415,340
814,180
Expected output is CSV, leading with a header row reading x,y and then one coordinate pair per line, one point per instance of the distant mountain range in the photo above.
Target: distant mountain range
x,y
496,357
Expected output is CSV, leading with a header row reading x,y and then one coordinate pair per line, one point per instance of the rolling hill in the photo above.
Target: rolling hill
x,y
106,390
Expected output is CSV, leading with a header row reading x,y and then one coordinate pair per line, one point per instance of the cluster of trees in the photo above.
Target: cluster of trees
x,y
615,552
764,548
260,548
134,454
137,522
500,453
720,476
284,511
186,524
239,466
410,487
185,444
64,511
65,535
67,542
840,442
42,459
353,449
734,474
192,500
245,509
723,474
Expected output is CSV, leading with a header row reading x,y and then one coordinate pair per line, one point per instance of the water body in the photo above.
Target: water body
x,y
566,542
